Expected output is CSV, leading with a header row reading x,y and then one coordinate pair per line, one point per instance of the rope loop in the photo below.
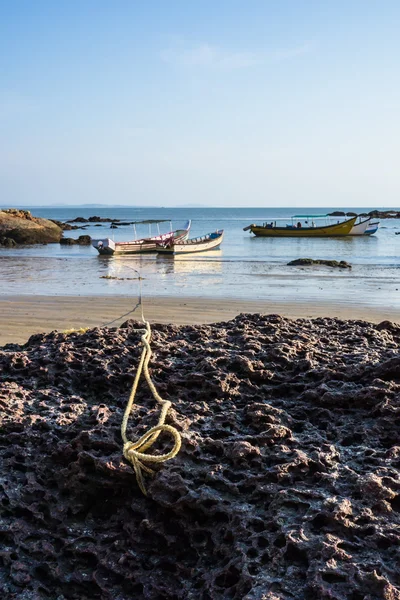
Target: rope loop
x,y
135,452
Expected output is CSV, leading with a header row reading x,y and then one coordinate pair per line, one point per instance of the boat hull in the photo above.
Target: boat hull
x,y
372,228
202,244
360,228
337,230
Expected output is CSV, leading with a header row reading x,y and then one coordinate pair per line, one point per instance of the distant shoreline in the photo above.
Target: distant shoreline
x,y
22,316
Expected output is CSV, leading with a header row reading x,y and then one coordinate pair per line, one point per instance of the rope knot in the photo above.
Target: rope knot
x,y
134,452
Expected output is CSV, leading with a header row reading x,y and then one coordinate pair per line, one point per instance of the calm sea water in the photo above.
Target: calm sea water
x,y
245,266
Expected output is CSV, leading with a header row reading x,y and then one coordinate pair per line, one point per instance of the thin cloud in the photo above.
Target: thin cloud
x,y
205,55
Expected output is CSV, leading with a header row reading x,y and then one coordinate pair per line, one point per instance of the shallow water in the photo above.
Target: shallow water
x,y
244,266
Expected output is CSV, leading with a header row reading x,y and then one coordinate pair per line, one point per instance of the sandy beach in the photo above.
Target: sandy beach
x,y
22,316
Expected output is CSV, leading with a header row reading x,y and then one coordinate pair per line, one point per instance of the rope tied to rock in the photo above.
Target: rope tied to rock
x,y
135,452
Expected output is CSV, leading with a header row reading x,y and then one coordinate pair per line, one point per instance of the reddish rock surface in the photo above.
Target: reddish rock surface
x,y
20,227
287,484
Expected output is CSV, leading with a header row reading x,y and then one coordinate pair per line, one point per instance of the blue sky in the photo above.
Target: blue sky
x,y
220,103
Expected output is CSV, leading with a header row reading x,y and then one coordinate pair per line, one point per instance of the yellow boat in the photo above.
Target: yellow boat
x,y
298,230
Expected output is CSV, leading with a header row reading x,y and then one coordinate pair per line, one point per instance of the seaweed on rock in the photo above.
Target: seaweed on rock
x,y
287,484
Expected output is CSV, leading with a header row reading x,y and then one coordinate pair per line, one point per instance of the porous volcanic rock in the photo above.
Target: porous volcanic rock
x,y
22,228
342,264
286,486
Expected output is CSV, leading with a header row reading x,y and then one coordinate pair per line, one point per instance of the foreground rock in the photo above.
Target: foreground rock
x,y
20,227
287,484
329,263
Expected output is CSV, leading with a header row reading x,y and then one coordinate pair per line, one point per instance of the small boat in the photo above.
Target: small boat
x,y
108,247
361,227
298,230
372,228
210,241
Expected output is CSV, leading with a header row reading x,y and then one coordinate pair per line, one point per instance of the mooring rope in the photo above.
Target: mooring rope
x,y
135,452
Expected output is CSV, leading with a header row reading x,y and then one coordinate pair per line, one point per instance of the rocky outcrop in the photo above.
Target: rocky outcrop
x,y
93,220
340,213
385,214
286,486
20,227
66,226
375,214
342,264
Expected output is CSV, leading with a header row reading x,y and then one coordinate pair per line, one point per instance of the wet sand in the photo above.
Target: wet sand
x,y
22,316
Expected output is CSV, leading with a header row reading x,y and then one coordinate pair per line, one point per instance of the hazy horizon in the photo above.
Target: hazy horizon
x,y
196,206
213,104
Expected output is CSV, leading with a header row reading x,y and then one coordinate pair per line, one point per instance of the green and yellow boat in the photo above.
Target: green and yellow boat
x,y
299,230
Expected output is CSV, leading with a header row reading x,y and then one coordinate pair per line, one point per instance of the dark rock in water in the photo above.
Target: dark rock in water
x,y
83,240
98,225
329,263
65,226
385,214
286,486
102,220
92,220
376,214
7,242
21,227
113,226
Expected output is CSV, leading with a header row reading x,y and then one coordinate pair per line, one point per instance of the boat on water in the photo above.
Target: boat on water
x,y
361,227
108,247
372,228
297,229
210,241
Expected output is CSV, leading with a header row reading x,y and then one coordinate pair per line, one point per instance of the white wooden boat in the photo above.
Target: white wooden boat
x,y
210,241
372,228
361,227
108,247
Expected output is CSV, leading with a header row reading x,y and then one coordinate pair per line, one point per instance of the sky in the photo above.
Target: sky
x,y
215,102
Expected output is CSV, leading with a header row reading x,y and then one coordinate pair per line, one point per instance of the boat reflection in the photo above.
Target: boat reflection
x,y
190,264
126,267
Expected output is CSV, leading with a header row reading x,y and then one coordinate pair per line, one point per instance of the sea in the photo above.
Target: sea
x,y
244,266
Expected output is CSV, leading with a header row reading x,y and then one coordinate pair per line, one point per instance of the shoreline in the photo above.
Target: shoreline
x,y
23,316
